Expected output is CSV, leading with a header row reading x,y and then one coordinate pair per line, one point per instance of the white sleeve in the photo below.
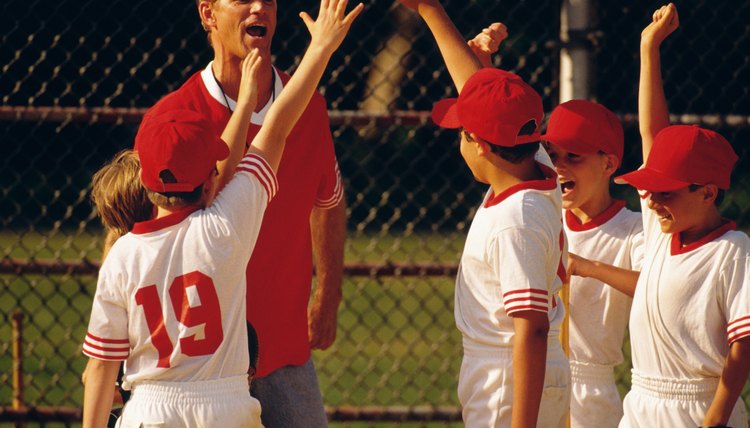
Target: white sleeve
x,y
520,260
736,301
107,334
240,205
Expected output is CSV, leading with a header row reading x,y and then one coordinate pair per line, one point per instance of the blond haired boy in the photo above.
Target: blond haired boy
x,y
585,142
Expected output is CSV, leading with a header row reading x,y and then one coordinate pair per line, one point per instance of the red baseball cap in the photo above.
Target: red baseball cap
x,y
495,105
585,127
682,155
182,142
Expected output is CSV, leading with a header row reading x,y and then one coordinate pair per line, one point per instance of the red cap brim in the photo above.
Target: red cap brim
x,y
570,145
650,180
445,114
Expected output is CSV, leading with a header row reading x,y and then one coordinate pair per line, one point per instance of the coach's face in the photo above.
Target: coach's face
x,y
238,26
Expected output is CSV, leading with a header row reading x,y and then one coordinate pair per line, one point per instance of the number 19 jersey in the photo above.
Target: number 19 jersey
x,y
170,298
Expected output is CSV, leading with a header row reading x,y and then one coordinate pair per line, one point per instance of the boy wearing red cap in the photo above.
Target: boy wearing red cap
x,y
690,320
170,299
585,142
506,303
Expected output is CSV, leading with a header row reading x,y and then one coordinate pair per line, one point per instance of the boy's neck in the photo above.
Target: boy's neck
x,y
593,208
503,174
710,222
164,212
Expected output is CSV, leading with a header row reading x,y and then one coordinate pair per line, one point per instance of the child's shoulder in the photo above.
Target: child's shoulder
x,y
528,209
627,219
737,241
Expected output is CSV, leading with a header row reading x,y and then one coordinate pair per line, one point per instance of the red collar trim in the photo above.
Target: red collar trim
x,y
575,224
548,183
678,249
164,222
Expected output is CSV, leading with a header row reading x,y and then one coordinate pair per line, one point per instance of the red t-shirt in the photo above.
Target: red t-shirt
x,y
279,274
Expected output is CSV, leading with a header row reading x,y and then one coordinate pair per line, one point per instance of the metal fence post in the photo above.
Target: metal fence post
x,y
575,58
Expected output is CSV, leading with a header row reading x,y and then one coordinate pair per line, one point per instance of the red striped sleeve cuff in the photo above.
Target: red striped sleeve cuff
x,y
338,193
106,349
738,329
530,299
258,167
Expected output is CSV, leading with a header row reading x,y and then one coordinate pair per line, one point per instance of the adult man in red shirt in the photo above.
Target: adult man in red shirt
x,y
307,215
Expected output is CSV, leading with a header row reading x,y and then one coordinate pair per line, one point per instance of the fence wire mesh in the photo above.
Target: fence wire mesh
x,y
76,77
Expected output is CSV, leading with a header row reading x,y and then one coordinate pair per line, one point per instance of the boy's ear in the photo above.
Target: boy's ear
x,y
710,193
611,162
483,147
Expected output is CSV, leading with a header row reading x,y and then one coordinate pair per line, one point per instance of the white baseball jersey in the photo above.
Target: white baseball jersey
x,y
598,312
170,299
690,304
512,261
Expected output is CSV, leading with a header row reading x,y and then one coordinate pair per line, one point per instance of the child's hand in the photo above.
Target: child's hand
x,y
248,94
664,21
329,30
577,265
488,42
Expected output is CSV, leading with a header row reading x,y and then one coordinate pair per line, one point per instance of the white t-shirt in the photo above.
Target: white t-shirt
x,y
598,312
512,262
170,299
690,303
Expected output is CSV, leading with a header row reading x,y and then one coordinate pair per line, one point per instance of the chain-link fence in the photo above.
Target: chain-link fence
x,y
76,77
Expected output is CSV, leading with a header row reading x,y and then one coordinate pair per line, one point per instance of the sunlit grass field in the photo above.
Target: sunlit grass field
x,y
397,344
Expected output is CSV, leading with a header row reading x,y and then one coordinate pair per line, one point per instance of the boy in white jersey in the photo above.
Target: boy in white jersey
x,y
690,319
506,304
170,299
585,142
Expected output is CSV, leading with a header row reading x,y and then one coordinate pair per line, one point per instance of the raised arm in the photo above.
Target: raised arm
x,y
458,57
488,42
327,32
235,133
653,114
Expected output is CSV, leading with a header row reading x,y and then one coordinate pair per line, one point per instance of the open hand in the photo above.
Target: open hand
x,y
329,30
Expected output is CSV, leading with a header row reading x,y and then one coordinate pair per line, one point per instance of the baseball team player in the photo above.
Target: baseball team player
x,y
690,318
169,299
120,201
585,142
513,372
